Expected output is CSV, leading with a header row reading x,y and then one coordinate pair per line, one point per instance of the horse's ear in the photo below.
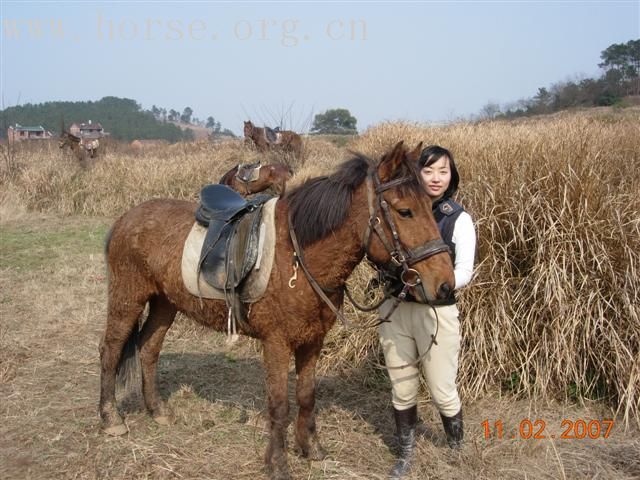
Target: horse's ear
x,y
391,162
414,155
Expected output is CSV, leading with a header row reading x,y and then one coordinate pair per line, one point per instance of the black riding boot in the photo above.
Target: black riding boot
x,y
453,427
406,433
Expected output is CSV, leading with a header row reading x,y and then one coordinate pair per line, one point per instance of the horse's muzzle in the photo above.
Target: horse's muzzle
x,y
444,291
420,294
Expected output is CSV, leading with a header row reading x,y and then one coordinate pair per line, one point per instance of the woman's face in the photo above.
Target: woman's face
x,y
436,177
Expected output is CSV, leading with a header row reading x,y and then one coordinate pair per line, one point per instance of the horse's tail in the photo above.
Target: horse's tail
x,y
107,241
129,371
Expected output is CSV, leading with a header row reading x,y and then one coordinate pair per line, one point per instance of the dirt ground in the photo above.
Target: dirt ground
x,y
52,311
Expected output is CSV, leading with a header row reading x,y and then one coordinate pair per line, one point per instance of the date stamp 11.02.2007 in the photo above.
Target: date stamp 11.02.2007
x,y
539,429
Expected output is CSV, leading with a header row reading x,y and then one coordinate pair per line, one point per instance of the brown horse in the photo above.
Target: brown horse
x,y
331,217
85,150
288,141
274,175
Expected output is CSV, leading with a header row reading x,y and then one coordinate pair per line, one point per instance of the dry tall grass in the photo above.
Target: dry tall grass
x,y
553,310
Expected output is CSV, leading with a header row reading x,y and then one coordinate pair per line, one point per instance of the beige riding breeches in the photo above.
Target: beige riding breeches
x,y
405,339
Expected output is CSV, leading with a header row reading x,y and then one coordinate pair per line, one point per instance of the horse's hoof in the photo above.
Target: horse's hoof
x,y
280,476
278,470
116,430
316,452
313,451
163,420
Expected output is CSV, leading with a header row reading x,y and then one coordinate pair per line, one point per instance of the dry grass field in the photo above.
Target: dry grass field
x,y
551,323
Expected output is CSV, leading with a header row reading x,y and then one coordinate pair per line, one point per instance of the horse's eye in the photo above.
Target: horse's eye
x,y
405,212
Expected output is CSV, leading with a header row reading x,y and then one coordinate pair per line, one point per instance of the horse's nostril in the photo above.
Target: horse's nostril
x,y
444,291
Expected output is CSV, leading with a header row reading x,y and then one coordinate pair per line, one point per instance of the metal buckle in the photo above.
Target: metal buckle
x,y
417,280
398,258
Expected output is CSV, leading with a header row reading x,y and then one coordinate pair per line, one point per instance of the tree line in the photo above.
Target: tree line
x,y
620,79
123,118
187,118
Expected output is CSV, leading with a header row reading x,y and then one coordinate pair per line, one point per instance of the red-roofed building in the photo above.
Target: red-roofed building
x,y
20,133
88,129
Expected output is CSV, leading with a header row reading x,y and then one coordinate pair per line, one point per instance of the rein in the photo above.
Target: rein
x,y
400,257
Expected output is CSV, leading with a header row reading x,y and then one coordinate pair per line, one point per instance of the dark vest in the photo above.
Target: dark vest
x,y
446,212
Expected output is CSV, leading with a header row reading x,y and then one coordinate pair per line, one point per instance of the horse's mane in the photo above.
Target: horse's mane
x,y
227,177
320,205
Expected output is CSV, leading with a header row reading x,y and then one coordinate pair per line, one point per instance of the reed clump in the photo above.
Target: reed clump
x,y
553,309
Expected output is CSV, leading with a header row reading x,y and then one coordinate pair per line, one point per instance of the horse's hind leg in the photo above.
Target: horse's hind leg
x,y
161,315
122,323
306,435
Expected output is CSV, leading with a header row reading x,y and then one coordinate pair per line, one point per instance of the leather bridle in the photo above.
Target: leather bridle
x,y
401,257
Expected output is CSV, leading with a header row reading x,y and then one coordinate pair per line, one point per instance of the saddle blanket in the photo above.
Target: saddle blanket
x,y
256,282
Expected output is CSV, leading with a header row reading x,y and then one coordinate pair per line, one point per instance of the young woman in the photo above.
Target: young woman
x,y
408,334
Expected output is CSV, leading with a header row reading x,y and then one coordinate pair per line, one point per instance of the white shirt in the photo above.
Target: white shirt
x,y
464,238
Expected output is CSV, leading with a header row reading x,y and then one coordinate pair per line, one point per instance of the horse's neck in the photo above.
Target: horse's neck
x,y
332,259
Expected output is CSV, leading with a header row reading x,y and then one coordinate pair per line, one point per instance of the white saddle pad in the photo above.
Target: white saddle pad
x,y
258,279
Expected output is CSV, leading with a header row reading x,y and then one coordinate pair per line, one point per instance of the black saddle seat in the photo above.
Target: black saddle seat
x,y
230,247
220,202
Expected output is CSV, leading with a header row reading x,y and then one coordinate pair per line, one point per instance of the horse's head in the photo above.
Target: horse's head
x,y
248,129
68,140
404,235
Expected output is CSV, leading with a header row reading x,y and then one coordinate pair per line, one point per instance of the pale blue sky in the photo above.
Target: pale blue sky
x,y
416,61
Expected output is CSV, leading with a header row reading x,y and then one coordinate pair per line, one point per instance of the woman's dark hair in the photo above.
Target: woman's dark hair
x,y
431,155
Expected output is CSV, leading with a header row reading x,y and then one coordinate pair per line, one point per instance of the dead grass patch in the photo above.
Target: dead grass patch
x,y
550,323
50,324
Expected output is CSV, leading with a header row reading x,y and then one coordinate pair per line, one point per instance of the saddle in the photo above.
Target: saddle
x,y
230,247
249,172
272,135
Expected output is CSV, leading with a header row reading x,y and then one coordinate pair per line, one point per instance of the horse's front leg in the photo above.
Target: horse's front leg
x,y
306,435
276,361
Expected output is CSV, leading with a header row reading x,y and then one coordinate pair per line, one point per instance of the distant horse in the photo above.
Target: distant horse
x,y
331,216
273,175
82,148
286,140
